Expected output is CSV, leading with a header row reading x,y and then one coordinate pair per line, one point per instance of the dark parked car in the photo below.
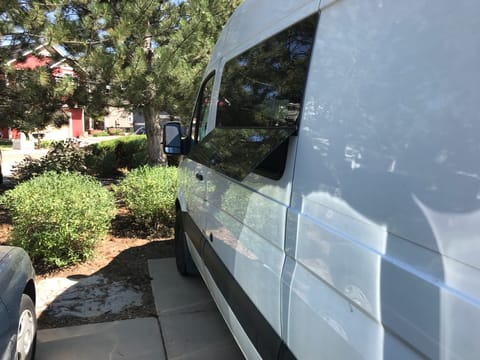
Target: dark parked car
x,y
18,322
140,131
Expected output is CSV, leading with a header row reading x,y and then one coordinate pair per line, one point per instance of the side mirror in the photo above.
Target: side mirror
x,y
173,140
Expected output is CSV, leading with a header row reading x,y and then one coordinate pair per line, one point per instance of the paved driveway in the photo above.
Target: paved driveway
x,y
11,157
188,326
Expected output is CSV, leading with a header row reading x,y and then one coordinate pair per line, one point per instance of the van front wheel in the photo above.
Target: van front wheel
x,y
185,264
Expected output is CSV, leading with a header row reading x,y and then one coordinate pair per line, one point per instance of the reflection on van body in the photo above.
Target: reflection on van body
x,y
392,204
244,225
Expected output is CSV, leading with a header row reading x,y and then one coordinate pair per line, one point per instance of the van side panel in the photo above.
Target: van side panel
x,y
382,236
247,228
247,209
192,191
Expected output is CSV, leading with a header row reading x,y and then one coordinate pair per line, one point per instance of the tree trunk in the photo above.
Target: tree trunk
x,y
154,130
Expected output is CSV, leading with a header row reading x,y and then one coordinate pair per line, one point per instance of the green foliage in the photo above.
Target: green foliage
x,y
149,54
106,158
100,133
63,156
186,52
5,144
33,99
58,218
114,131
45,144
150,193
139,54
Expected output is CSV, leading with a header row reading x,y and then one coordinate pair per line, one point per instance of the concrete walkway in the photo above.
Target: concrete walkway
x,y
12,157
128,339
188,326
191,324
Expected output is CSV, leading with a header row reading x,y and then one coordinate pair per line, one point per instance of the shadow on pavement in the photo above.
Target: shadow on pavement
x,y
119,290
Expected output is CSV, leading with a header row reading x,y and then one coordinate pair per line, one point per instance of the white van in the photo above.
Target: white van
x,y
329,193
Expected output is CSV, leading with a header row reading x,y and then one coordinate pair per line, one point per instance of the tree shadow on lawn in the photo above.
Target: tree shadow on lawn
x,y
118,291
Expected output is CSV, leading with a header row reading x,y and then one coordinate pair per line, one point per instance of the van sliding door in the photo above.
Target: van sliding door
x,y
194,173
250,156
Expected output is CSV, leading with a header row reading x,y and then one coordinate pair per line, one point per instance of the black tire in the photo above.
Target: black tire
x,y
185,264
27,330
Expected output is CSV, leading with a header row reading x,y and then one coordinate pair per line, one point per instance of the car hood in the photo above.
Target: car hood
x,y
16,271
4,250
16,258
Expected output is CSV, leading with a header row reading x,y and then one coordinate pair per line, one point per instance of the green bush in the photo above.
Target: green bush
x,y
106,158
100,133
5,143
115,131
45,144
58,218
150,193
63,156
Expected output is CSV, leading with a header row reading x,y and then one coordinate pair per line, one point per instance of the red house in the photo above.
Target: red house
x,y
44,56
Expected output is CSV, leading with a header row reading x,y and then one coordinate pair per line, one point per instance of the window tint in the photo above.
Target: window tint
x,y
260,100
235,152
198,126
263,87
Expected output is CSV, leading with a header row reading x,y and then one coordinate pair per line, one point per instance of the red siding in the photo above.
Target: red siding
x,y
31,62
4,133
15,134
77,122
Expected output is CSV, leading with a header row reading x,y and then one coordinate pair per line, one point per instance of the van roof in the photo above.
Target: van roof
x,y
256,20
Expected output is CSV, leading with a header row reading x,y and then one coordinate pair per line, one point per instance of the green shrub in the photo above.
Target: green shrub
x,y
106,158
63,156
58,218
150,193
115,131
100,133
5,143
132,152
45,144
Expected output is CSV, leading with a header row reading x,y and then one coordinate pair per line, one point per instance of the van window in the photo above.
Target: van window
x,y
198,126
259,104
263,87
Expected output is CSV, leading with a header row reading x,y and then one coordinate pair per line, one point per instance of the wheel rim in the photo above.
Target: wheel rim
x,y
25,334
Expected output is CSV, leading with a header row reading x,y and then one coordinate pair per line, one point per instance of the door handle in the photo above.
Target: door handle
x,y
199,176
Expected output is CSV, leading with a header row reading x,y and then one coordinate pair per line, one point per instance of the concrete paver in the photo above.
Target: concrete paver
x,y
127,339
191,325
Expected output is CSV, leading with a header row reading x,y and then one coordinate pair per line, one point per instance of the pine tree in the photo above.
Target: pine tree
x,y
30,99
142,54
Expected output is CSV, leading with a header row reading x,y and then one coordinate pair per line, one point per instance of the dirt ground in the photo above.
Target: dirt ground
x,y
120,264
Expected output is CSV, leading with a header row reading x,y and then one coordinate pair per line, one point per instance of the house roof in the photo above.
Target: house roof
x,y
52,56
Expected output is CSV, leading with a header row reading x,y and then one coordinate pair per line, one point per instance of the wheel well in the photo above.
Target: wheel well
x,y
30,290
